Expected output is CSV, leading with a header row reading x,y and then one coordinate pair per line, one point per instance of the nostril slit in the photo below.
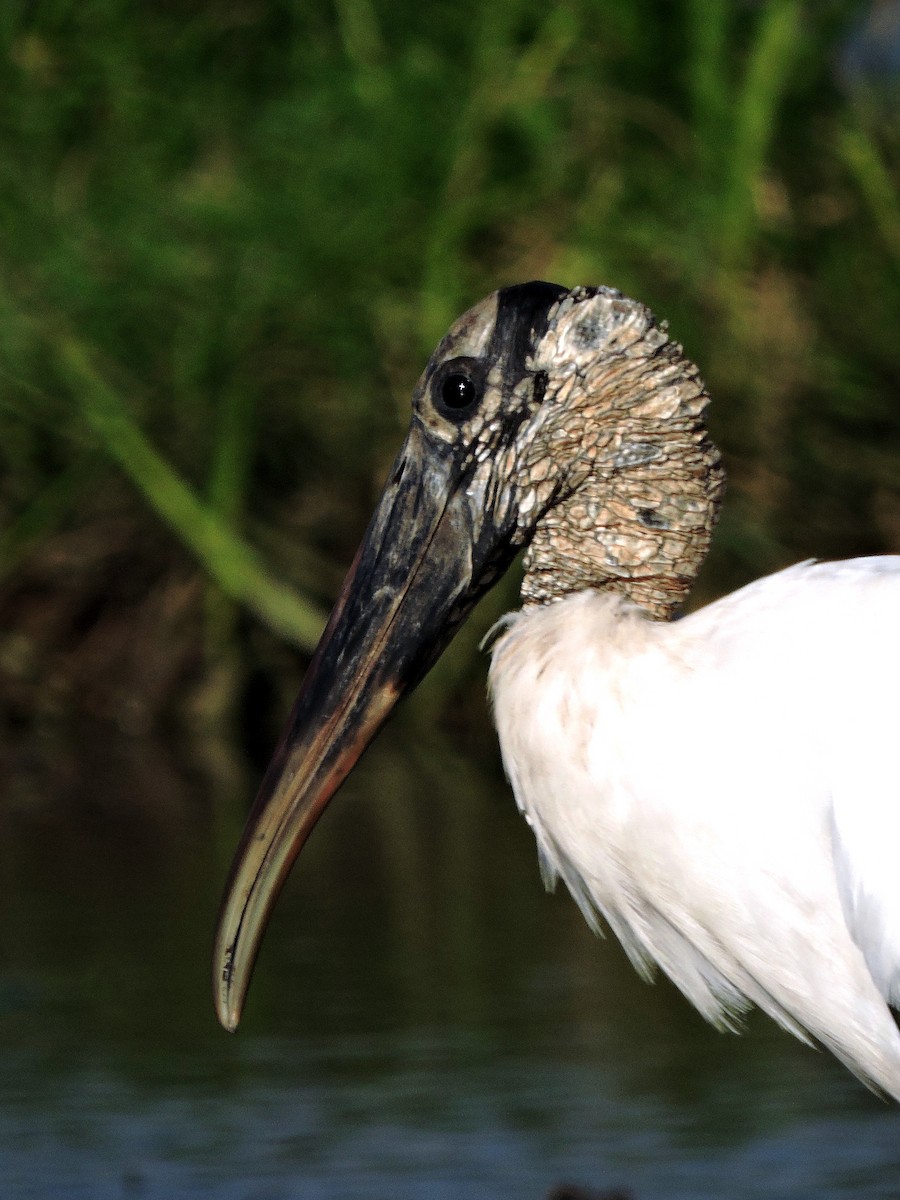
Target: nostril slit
x,y
540,386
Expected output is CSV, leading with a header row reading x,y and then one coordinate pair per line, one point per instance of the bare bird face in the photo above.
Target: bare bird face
x,y
510,419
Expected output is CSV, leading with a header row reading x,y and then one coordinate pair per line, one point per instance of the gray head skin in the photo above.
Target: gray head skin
x,y
591,432
562,421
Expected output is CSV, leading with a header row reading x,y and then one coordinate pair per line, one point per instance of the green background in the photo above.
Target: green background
x,y
232,232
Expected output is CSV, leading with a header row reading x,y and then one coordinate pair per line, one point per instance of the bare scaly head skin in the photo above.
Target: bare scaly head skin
x,y
626,410
595,440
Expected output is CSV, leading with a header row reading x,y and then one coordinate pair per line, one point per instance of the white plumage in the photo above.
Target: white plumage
x,y
724,790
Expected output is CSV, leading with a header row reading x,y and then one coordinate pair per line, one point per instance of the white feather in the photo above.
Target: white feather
x,y
724,790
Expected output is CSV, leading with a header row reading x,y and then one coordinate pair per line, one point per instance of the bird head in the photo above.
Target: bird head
x,y
565,421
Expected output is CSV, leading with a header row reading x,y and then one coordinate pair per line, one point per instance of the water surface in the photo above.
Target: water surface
x,y
425,1023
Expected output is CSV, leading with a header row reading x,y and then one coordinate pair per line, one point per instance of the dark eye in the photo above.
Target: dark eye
x,y
458,391
458,386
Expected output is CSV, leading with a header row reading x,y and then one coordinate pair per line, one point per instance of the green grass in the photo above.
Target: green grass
x,y
230,235
203,528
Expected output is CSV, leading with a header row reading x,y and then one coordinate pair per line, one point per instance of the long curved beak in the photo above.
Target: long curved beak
x,y
416,576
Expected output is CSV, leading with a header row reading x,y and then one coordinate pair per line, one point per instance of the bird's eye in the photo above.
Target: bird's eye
x,y
458,392
458,386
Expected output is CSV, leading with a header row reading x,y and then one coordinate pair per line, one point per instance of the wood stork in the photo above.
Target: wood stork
x,y
723,790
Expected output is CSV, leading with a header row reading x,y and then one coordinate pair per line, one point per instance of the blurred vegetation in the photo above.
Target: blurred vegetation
x,y
232,230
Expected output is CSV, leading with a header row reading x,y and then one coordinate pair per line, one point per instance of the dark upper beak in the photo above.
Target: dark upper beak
x,y
426,558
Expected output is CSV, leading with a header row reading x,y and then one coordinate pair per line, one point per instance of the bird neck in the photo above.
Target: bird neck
x,y
644,487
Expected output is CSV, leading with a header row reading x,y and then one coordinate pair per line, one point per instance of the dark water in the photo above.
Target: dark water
x,y
425,1022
